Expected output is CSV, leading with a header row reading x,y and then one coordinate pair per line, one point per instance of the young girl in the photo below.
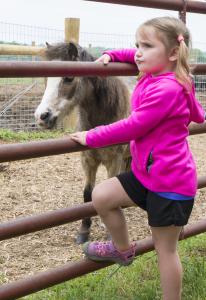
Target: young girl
x,y
163,177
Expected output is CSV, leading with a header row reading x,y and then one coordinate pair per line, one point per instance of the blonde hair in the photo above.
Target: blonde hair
x,y
168,30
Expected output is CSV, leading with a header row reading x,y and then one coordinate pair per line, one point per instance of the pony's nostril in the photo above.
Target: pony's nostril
x,y
44,116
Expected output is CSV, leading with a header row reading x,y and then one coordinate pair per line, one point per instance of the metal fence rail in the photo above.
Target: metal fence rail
x,y
25,225
19,151
178,5
62,68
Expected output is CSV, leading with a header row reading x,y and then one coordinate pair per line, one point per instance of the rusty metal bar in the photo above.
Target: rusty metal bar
x,y
192,6
25,225
19,151
43,280
197,128
201,182
64,68
198,69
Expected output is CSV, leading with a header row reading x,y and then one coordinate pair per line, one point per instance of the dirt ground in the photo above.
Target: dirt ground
x,y
44,184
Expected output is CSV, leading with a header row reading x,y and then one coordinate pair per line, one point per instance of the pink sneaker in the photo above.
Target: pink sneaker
x,y
106,251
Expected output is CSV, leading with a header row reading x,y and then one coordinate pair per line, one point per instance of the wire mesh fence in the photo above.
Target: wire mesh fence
x,y
24,34
20,97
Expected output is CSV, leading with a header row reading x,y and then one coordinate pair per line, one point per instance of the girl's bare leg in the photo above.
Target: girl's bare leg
x,y
108,197
165,241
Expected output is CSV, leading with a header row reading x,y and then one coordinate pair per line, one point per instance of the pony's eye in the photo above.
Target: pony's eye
x,y
68,79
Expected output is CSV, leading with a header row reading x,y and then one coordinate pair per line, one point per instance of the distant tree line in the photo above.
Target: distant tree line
x,y
198,56
14,43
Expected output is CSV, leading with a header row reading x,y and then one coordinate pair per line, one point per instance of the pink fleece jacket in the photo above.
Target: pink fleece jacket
x,y
157,130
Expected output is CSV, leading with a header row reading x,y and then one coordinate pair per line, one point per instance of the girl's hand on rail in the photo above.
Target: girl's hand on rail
x,y
79,137
105,59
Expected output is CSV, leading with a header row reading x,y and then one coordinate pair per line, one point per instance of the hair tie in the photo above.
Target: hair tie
x,y
180,38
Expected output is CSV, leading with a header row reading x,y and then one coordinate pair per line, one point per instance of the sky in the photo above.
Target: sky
x,y
94,17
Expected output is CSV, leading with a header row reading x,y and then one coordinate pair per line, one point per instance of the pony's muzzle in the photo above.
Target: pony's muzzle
x,y
45,116
47,120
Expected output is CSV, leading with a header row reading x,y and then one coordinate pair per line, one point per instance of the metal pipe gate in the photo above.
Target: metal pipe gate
x,y
13,152
64,68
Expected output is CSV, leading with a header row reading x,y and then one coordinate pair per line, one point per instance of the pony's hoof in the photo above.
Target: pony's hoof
x,y
82,238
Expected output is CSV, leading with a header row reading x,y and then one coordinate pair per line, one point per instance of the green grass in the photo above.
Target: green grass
x,y
2,277
140,281
24,80
23,136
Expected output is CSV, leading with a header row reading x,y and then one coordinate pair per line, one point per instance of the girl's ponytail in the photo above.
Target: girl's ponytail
x,y
182,67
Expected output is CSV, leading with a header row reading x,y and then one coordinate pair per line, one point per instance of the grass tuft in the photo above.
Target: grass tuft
x,y
24,136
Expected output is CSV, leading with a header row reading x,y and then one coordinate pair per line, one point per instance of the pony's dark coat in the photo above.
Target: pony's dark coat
x,y
100,100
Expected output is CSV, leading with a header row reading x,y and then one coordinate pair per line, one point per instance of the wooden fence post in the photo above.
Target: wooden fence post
x,y
72,28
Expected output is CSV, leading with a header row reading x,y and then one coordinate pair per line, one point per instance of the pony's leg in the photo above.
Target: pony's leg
x,y
114,165
126,159
90,165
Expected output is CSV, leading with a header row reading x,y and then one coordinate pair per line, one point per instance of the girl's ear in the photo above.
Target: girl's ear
x,y
174,54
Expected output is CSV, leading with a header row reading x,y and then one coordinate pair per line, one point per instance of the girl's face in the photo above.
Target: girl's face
x,y
152,56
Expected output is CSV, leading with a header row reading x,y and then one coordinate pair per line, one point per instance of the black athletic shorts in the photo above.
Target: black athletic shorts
x,y
161,211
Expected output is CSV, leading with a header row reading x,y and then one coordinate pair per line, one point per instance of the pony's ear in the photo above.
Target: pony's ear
x,y
73,50
48,45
